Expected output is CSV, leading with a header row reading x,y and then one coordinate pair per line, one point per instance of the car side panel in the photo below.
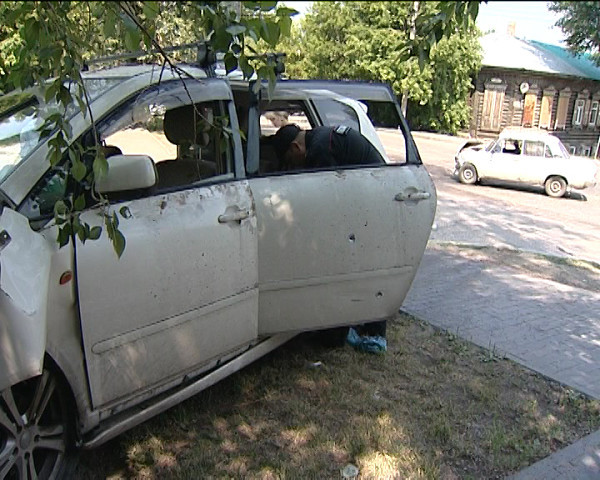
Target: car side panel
x,y
339,247
184,291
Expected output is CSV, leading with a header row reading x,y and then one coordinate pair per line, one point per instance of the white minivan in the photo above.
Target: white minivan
x,y
227,255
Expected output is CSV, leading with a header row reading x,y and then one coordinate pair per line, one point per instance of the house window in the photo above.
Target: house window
x,y
573,150
585,150
593,113
578,112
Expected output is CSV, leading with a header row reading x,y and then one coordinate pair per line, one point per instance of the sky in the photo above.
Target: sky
x,y
533,20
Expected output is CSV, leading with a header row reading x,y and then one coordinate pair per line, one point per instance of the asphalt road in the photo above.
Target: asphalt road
x,y
493,215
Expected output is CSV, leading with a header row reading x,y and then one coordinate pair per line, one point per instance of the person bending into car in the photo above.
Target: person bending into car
x,y
323,147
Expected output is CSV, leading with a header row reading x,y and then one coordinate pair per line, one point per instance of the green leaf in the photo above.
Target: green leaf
x,y
100,166
246,68
55,156
78,170
79,203
132,40
151,10
32,31
231,62
81,233
60,209
119,243
110,229
221,40
285,26
51,91
95,233
270,32
109,27
64,234
286,12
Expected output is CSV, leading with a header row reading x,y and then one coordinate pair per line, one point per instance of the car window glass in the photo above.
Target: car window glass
x,y
273,120
38,207
382,114
534,148
273,116
337,113
19,134
188,143
547,152
512,146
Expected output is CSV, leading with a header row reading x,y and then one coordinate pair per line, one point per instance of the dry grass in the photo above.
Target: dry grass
x,y
433,406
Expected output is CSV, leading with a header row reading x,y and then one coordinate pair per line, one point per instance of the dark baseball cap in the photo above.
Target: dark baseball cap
x,y
283,138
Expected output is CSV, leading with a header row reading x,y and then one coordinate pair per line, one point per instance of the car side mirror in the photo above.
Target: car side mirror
x,y
127,172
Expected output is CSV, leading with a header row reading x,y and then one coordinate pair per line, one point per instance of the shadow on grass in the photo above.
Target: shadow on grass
x,y
432,406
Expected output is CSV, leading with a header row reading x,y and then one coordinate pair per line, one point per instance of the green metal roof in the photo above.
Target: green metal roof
x,y
506,51
582,63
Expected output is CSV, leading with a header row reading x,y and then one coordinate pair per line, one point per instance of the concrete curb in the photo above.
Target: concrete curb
x,y
580,460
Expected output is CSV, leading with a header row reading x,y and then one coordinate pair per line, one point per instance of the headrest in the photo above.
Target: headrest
x,y
183,125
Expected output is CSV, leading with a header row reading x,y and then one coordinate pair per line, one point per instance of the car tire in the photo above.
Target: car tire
x,y
467,174
35,429
555,186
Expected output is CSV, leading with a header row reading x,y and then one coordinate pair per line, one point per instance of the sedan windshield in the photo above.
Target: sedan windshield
x,y
563,150
490,146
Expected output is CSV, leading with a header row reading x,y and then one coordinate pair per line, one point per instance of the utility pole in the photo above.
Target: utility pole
x,y
411,36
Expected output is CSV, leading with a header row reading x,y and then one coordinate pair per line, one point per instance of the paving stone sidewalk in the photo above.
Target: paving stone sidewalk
x,y
546,326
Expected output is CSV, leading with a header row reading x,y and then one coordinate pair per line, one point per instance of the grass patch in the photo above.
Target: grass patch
x,y
433,406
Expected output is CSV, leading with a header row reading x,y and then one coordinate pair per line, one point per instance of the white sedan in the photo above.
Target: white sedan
x,y
526,156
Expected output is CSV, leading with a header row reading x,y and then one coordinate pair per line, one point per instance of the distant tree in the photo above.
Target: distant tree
x,y
432,66
581,23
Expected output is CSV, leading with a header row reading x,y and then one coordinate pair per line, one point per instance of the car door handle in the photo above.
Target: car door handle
x,y
235,216
412,196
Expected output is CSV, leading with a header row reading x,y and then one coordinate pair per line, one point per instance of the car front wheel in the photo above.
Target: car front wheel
x,y
467,174
555,186
33,429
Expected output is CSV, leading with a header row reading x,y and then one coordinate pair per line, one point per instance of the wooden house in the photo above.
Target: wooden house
x,y
532,84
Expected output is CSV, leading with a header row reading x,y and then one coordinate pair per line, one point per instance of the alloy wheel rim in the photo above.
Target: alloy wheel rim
x,y
32,433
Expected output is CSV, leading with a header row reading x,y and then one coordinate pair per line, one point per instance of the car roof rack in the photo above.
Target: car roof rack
x,y
205,57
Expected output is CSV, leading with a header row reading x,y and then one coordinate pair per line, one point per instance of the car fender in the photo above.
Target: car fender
x,y
24,277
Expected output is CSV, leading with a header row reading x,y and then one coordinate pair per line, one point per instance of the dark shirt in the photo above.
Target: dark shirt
x,y
339,146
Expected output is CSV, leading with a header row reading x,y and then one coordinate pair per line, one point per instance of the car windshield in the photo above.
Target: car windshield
x,y
20,119
491,145
563,150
